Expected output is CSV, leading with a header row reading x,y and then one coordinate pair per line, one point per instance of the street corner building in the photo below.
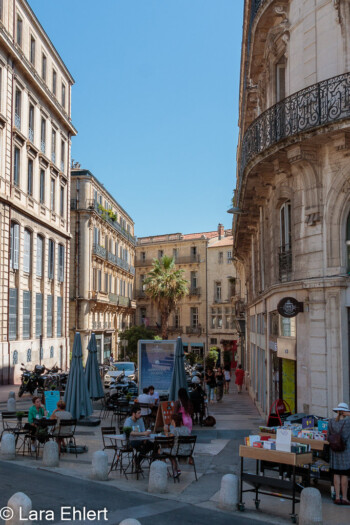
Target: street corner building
x,y
205,317
35,143
291,223
101,265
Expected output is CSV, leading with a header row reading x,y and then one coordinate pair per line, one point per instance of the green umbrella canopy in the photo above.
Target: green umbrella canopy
x,y
92,373
178,379
77,396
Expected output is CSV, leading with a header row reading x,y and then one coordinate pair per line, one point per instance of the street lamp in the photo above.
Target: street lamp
x,y
235,210
124,343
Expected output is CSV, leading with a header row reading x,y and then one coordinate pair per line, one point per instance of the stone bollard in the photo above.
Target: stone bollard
x,y
310,507
130,521
11,405
158,478
228,498
99,466
8,446
50,454
13,515
12,395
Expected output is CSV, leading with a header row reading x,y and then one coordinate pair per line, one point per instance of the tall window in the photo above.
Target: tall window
x,y
13,321
59,316
32,50
229,257
49,316
42,186
26,314
53,146
27,251
221,257
54,82
63,95
194,317
19,30
39,315
39,255
193,280
43,66
14,246
280,79
18,105
31,123
30,177
160,254
51,259
218,291
16,166
348,244
61,201
177,318
60,262
193,253
52,195
96,236
285,253
63,150
174,254
43,135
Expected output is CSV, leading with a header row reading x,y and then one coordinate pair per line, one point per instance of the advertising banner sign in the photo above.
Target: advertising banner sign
x,y
155,364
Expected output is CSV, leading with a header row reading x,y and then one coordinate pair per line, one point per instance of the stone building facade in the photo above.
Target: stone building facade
x,y
35,144
292,227
191,252
101,265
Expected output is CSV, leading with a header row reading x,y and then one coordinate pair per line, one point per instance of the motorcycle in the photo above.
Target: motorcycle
x,y
29,380
123,386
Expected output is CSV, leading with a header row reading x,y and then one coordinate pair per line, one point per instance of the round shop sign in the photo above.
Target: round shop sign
x,y
289,307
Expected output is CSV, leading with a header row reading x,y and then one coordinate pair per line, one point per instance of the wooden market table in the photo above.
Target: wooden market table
x,y
269,484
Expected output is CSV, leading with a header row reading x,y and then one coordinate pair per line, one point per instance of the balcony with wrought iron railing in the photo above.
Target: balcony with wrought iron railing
x,y
188,259
324,103
143,262
96,325
53,157
195,330
175,329
91,204
31,135
285,260
43,147
17,121
124,301
113,298
194,290
140,294
99,250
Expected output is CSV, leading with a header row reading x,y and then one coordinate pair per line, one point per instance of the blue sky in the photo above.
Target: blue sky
x,y
155,103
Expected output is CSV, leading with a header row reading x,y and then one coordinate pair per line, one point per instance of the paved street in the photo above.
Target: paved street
x,y
51,491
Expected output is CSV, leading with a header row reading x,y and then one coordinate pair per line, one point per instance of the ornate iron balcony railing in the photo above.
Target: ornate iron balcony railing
x,y
195,290
317,105
17,121
193,330
31,135
91,204
99,250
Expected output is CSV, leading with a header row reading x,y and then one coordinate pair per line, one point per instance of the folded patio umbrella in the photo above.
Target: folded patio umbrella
x,y
77,396
178,379
92,373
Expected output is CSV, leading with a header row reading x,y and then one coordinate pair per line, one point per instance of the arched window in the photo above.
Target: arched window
x,y
285,251
348,244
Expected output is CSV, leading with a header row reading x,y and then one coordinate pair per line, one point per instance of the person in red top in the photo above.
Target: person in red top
x,y
239,373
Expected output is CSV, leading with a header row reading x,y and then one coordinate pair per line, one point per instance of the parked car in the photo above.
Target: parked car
x,y
126,369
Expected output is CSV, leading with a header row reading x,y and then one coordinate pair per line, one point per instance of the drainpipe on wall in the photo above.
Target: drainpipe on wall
x,y
76,256
67,252
206,297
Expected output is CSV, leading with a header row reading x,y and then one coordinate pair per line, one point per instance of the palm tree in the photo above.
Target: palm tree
x,y
165,286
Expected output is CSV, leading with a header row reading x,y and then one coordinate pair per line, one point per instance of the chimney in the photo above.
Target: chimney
x,y
221,231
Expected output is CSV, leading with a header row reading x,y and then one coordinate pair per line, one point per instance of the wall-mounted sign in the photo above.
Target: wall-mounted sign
x,y
289,307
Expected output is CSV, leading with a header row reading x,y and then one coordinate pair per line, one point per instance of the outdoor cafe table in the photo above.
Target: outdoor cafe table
x,y
121,437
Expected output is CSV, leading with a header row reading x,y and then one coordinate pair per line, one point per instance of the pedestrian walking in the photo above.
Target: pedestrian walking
x,y
239,373
210,381
339,444
227,375
220,379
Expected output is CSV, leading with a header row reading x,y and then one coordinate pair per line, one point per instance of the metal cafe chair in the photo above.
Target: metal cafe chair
x,y
123,450
104,431
184,449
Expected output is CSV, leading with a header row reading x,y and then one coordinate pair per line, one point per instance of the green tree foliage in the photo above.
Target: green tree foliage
x,y
133,335
165,286
211,357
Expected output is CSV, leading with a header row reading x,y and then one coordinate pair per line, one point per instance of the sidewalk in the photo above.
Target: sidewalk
x,y
216,454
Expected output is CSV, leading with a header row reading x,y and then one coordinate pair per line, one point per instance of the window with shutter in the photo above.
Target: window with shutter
x,y
51,259
38,315
39,255
14,246
49,316
16,166
60,262
13,314
59,316
27,249
26,314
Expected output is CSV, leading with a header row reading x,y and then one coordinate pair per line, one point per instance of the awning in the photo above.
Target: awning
x,y
197,344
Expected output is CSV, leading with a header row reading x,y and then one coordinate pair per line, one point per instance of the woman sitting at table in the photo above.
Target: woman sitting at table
x,y
177,429
135,422
184,407
35,413
61,413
